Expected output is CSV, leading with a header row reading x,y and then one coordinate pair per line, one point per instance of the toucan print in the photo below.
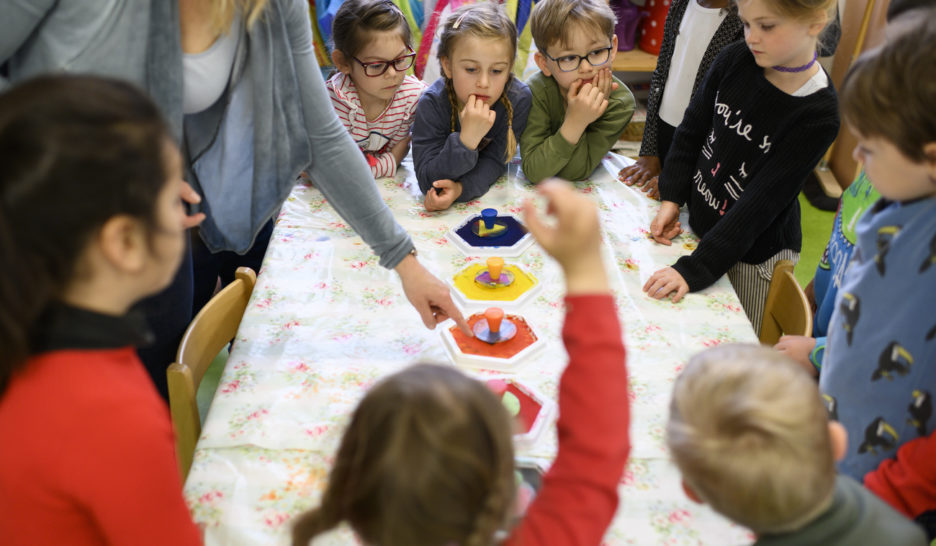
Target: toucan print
x,y
850,307
894,358
879,434
932,256
831,405
921,409
884,237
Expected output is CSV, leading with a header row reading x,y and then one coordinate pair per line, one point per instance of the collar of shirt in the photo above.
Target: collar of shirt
x,y
63,327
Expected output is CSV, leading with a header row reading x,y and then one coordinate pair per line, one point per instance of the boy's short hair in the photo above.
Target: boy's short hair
x,y
553,21
890,92
749,432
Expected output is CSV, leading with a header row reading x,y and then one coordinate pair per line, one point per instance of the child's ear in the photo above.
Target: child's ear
x,y
818,26
540,61
614,50
342,63
693,496
929,150
446,66
838,437
124,244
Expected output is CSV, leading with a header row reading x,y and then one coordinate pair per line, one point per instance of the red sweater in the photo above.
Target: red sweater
x,y
908,482
579,494
88,455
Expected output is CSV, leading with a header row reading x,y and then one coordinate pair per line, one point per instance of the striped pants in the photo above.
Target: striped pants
x,y
751,282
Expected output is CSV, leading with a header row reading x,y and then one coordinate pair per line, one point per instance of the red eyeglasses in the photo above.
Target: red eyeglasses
x,y
377,68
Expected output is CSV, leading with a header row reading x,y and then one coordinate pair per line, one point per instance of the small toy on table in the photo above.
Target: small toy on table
x,y
495,275
491,233
494,283
529,409
500,341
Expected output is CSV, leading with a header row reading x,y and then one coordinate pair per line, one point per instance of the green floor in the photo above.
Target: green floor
x,y
817,226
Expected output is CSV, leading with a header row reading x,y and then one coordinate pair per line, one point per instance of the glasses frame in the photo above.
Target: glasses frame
x,y
411,56
581,58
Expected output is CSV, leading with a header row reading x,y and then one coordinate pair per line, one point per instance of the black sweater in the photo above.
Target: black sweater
x,y
739,160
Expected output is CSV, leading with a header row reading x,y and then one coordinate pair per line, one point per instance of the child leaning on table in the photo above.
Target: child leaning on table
x,y
761,120
752,438
468,120
90,222
372,95
428,456
579,108
879,368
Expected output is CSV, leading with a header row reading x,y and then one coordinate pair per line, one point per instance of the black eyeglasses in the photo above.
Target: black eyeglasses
x,y
568,63
377,68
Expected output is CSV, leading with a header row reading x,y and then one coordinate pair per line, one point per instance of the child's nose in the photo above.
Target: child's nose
x,y
483,80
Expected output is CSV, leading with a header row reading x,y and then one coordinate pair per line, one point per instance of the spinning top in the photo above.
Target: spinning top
x,y
495,274
494,329
488,226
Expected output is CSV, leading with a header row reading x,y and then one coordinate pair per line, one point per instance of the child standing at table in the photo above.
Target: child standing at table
x,y
750,435
763,117
371,93
88,455
879,369
428,455
579,108
694,33
467,121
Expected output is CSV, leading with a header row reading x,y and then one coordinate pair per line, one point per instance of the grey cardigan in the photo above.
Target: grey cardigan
x,y
243,154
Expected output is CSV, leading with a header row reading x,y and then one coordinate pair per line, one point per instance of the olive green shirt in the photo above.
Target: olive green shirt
x,y
544,152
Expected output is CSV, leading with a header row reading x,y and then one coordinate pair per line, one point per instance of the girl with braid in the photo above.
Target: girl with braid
x,y
467,122
427,457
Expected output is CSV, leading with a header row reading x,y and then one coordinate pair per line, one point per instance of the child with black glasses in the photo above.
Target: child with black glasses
x,y
579,109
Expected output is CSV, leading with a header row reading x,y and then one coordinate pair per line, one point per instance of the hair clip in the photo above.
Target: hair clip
x,y
459,20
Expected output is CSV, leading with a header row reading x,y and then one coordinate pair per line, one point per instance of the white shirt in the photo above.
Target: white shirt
x,y
818,81
696,30
205,75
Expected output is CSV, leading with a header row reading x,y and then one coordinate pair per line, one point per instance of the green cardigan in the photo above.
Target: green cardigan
x,y
544,152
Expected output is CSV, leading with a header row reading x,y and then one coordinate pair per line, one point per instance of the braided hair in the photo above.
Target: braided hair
x,y
484,20
426,459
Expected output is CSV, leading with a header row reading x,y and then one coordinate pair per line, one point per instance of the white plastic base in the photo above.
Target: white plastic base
x,y
469,360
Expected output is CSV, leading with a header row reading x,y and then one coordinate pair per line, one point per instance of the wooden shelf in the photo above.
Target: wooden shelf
x,y
635,60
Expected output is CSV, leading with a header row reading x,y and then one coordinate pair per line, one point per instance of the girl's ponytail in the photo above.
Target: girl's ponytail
x,y
511,137
76,151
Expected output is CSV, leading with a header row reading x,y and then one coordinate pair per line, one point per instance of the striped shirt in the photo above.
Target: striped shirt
x,y
377,137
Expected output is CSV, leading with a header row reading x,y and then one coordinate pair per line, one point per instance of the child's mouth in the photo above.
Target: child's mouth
x,y
589,80
482,98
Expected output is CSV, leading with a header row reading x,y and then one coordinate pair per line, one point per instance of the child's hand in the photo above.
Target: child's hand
x,y
400,149
586,102
476,120
605,82
645,169
189,195
798,348
575,242
442,194
665,282
666,225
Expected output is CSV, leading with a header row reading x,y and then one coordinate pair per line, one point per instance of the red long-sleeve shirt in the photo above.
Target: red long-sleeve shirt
x,y
908,482
579,494
87,455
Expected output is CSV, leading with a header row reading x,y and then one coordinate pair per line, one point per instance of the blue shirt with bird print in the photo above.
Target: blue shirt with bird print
x,y
879,370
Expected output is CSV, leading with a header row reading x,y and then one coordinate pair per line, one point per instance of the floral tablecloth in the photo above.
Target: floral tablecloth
x,y
325,322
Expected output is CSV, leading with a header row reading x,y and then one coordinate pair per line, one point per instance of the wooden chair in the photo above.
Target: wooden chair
x,y
787,311
213,328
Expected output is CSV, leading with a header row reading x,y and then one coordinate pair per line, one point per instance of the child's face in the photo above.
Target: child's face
x,y
382,46
167,240
584,41
895,176
479,67
777,40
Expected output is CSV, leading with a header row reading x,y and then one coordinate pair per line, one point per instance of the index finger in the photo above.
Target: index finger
x,y
447,309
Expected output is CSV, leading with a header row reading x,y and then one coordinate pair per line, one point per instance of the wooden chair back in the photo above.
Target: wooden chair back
x,y
787,311
213,328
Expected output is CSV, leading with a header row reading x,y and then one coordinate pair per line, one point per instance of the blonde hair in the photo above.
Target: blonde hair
x,y
806,11
553,21
484,19
427,459
887,94
223,11
749,432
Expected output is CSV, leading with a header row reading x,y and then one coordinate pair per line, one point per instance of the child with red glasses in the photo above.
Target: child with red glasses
x,y
371,93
